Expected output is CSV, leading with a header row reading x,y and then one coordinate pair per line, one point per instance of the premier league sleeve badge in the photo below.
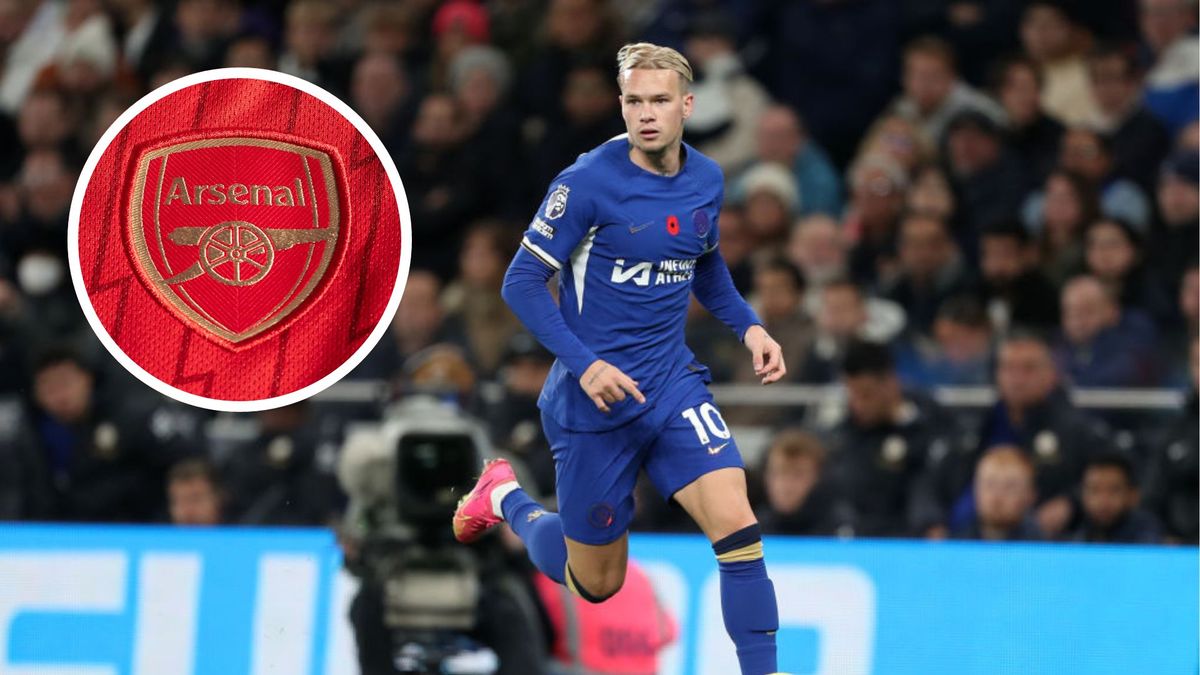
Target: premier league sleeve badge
x,y
239,239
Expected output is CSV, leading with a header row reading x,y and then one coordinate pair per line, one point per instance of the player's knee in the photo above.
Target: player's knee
x,y
596,587
731,521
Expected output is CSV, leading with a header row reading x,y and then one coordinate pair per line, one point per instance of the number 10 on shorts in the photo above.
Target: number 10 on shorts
x,y
711,418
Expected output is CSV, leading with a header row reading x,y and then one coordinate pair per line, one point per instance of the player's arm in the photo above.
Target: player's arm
x,y
547,243
713,287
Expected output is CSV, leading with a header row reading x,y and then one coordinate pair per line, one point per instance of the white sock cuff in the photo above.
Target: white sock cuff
x,y
499,493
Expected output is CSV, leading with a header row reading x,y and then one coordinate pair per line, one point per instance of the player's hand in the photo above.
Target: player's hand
x,y
767,354
604,383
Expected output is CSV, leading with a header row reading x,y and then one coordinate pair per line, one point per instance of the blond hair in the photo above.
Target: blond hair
x,y
647,56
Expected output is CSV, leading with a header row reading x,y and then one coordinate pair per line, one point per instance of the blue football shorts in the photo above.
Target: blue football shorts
x,y
682,438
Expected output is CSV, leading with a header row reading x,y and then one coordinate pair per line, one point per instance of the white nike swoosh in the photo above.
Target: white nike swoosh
x,y
713,451
634,229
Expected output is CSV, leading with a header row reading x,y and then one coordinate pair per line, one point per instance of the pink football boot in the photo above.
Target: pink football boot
x,y
479,510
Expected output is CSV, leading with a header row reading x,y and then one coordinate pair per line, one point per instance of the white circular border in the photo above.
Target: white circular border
x,y
85,178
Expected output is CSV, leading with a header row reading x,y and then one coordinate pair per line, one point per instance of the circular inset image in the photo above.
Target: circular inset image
x,y
239,239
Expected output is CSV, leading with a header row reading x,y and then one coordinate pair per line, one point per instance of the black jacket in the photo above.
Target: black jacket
x,y
1037,146
1139,146
899,478
819,515
284,477
1030,301
1058,437
1135,527
113,466
1171,487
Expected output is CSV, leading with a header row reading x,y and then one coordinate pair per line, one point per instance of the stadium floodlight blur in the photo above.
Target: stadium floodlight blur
x,y
403,478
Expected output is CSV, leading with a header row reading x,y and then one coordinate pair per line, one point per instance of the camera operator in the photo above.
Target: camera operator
x,y
426,604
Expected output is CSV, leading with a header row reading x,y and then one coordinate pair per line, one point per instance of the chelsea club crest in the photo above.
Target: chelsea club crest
x,y
556,204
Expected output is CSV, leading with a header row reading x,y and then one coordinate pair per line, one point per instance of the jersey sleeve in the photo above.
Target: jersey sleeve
x,y
713,238
713,287
566,214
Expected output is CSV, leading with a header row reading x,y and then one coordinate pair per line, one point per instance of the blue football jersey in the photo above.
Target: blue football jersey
x,y
625,242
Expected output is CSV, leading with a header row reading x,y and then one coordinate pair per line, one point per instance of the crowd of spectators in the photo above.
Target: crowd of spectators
x,y
920,194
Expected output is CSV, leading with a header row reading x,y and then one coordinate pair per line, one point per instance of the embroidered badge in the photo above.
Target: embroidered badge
x,y
212,215
701,222
556,203
239,239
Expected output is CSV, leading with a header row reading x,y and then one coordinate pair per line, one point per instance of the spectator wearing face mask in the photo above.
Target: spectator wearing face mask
x,y
46,309
728,102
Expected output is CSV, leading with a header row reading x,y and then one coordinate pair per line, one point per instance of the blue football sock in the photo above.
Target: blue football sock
x,y
748,600
541,530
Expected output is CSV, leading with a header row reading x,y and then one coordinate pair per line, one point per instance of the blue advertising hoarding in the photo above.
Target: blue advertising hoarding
x,y
162,601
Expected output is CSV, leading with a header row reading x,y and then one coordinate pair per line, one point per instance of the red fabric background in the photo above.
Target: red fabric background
x,y
319,335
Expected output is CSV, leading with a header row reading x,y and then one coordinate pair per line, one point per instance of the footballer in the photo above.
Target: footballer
x,y
631,230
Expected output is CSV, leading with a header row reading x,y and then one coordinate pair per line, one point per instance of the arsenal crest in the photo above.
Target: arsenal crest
x,y
234,233
239,239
